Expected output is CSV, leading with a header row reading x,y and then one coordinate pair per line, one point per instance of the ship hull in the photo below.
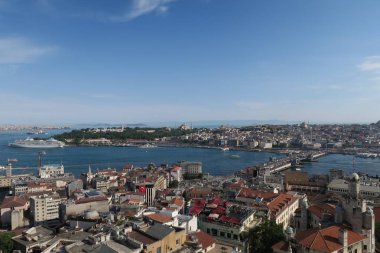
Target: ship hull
x,y
15,145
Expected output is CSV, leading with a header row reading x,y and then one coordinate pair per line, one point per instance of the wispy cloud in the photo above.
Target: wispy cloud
x,y
370,63
143,7
20,50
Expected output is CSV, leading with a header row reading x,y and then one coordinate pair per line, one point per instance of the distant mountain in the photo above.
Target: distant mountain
x,y
218,123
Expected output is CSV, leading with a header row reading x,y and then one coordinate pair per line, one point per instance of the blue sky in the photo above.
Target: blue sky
x,y
70,61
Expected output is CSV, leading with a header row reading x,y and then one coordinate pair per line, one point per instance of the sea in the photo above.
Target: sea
x,y
215,161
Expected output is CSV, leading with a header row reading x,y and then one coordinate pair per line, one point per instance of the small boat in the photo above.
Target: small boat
x,y
235,156
225,149
148,145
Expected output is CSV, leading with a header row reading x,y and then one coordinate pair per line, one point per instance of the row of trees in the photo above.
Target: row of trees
x,y
129,133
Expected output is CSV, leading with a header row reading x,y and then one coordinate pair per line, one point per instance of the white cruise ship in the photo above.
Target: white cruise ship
x,y
31,143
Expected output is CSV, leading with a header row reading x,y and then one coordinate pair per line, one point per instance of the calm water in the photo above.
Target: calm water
x,y
215,162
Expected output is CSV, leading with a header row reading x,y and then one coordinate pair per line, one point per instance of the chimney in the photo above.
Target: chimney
x,y
343,237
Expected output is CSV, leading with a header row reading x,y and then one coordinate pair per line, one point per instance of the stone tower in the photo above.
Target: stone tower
x,y
304,220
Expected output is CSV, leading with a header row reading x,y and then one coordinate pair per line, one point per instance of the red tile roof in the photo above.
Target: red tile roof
x,y
13,202
204,239
281,246
280,202
159,218
327,239
318,210
249,193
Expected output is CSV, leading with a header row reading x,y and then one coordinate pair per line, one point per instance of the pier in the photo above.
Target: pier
x,y
281,164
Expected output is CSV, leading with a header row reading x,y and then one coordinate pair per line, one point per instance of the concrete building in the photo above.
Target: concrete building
x,y
5,182
48,171
150,193
159,238
341,186
191,168
44,208
225,222
74,186
12,212
80,206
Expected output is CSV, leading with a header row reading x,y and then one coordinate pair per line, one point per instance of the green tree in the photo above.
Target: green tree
x,y
264,236
377,232
6,244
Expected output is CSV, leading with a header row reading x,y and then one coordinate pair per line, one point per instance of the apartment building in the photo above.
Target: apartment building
x,y
44,208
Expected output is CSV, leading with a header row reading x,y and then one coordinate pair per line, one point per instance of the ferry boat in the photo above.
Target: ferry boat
x,y
32,143
148,145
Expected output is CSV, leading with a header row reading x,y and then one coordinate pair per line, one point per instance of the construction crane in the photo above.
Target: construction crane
x,y
9,167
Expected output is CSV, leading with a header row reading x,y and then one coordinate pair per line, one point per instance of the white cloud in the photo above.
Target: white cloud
x,y
371,63
142,7
19,50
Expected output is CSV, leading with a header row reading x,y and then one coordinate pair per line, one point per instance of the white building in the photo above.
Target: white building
x,y
48,171
370,190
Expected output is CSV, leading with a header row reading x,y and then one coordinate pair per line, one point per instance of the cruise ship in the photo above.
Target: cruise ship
x,y
31,143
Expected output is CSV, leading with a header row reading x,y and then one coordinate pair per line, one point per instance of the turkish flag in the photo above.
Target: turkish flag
x,y
142,189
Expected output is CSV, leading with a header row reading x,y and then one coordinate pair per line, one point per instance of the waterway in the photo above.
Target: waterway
x,y
215,162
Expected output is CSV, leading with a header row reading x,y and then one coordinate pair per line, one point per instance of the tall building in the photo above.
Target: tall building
x,y
44,208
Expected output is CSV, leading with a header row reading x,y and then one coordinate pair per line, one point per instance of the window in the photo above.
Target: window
x,y
177,241
223,234
158,250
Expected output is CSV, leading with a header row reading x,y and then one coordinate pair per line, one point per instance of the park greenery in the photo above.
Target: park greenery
x,y
377,232
264,236
149,134
6,244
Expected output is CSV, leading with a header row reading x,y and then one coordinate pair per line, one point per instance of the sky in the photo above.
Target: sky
x,y
133,61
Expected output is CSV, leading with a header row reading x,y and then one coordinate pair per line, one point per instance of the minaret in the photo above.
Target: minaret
x,y
354,186
304,207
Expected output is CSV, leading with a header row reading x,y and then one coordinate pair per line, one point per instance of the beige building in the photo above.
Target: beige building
x,y
51,171
160,238
44,208
5,182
